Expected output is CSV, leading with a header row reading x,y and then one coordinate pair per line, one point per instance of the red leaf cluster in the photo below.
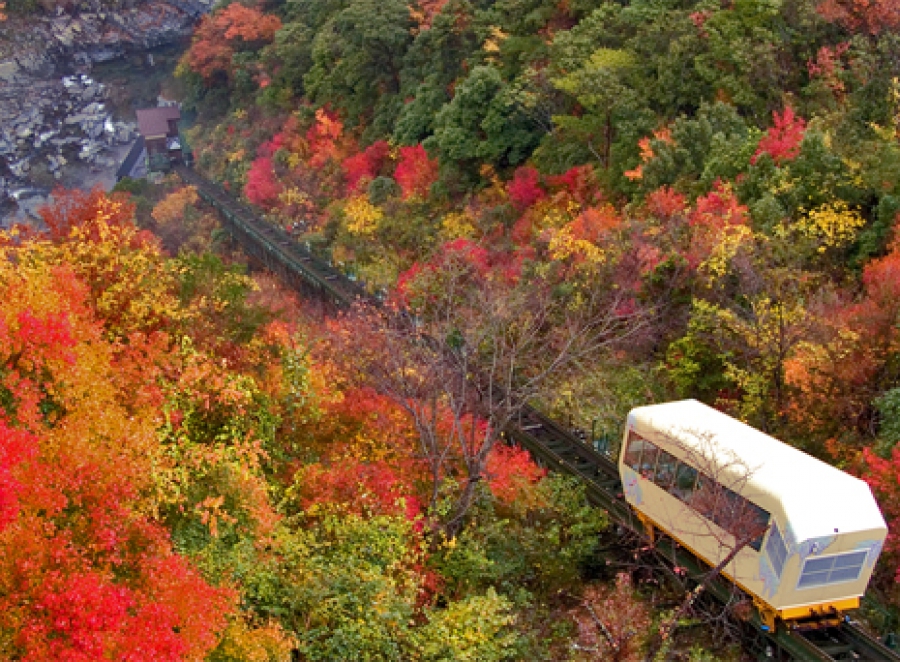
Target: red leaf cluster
x,y
718,209
714,214
262,188
883,476
510,470
595,222
579,182
525,188
828,67
373,488
415,172
16,446
666,204
782,141
362,168
866,16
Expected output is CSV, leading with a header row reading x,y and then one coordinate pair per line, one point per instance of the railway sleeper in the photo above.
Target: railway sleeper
x,y
838,651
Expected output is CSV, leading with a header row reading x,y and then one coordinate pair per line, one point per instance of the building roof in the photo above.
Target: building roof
x,y
818,499
134,154
154,122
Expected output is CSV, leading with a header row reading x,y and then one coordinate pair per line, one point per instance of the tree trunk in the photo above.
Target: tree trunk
x,y
668,628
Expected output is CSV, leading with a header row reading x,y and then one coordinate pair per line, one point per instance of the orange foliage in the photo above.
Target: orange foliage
x,y
838,374
171,209
322,138
647,153
594,222
76,209
667,205
424,11
220,35
123,267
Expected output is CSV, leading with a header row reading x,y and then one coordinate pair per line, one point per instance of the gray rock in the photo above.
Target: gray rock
x,y
19,168
8,70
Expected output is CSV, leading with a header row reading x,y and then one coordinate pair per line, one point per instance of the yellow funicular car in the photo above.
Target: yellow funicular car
x,y
707,480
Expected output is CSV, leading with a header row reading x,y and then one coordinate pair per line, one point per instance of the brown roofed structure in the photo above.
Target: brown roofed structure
x,y
157,122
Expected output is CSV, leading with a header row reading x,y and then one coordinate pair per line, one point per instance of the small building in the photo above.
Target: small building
x,y
159,129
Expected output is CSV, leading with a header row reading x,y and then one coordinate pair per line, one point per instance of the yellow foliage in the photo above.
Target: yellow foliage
x,y
564,245
293,195
729,242
294,160
496,38
131,285
833,225
362,216
266,643
457,225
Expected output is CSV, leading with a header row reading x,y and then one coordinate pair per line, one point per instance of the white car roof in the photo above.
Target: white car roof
x,y
816,497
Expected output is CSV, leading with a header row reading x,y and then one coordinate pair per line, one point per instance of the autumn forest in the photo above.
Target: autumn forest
x,y
584,205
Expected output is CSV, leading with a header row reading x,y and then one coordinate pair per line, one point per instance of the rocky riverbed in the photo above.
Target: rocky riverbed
x,y
57,125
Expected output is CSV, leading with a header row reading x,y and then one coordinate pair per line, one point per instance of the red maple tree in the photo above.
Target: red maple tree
x,y
262,188
525,188
362,168
782,141
415,172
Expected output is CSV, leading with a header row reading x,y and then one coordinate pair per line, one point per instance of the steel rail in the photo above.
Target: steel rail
x,y
551,444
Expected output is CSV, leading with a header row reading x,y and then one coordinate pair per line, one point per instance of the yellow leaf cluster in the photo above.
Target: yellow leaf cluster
x,y
294,160
729,242
131,286
293,195
496,38
833,225
458,225
265,643
564,245
362,216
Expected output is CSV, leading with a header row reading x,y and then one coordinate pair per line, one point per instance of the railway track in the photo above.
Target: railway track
x,y
551,444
